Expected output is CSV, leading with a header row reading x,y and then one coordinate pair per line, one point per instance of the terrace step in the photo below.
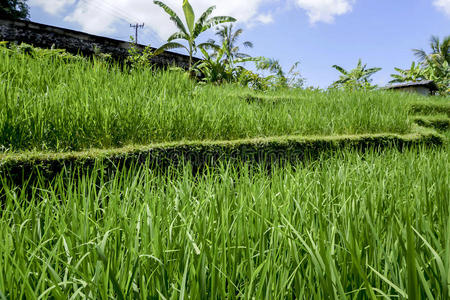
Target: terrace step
x,y
19,166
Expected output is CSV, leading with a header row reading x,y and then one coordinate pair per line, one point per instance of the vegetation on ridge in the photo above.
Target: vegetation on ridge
x,y
58,104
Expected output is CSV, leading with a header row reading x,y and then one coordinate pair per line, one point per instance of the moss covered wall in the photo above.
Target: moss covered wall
x,y
75,42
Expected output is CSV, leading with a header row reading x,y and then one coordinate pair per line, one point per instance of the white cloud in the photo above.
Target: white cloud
x,y
265,18
443,5
102,16
326,10
52,7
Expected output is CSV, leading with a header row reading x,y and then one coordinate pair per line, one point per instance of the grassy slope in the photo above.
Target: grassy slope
x,y
49,104
335,226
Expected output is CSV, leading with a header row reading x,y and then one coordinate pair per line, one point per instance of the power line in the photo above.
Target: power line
x,y
108,11
137,27
117,13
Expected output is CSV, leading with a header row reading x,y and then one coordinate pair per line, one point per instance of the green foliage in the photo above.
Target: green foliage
x,y
278,78
229,37
204,153
440,51
14,9
138,58
413,74
439,72
436,64
356,79
13,49
193,29
218,68
58,104
346,225
430,107
214,68
105,57
253,80
440,122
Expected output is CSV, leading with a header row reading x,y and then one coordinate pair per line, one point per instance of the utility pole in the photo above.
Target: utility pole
x,y
137,27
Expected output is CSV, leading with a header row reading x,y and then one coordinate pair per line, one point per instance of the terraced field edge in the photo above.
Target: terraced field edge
x,y
200,153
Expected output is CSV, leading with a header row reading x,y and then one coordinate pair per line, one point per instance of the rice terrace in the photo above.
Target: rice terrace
x,y
225,177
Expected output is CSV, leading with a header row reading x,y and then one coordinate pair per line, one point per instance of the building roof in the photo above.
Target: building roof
x,y
424,83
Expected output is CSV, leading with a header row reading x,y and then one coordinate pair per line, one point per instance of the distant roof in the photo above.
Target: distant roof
x,y
424,83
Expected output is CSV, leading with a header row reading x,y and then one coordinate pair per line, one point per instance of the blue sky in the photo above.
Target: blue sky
x,y
318,33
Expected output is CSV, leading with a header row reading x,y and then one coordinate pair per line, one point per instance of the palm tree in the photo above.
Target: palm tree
x,y
436,65
229,38
358,78
193,29
440,52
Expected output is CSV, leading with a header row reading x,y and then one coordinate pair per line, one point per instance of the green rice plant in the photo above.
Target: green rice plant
x,y
438,122
200,154
58,105
431,107
348,226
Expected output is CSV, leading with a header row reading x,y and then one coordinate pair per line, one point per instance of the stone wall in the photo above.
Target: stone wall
x,y
75,42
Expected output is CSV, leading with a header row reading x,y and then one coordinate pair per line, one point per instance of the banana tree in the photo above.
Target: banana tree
x,y
191,31
358,78
413,74
216,68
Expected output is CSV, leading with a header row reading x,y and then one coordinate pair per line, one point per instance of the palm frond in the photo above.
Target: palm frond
x,y
242,55
173,16
201,21
216,21
434,43
208,45
178,35
169,46
340,69
420,54
248,44
372,71
222,32
189,15
235,36
294,66
445,49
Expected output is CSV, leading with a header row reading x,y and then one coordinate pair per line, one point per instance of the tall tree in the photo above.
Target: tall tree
x,y
193,28
230,38
14,9
440,51
436,64
358,78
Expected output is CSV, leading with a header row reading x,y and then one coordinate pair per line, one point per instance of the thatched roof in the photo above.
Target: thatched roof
x,y
424,83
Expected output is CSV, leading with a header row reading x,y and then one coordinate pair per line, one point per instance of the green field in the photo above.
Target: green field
x,y
141,184
54,105
346,225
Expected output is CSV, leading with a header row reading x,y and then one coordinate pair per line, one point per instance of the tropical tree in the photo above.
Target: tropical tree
x,y
436,64
14,9
214,68
440,51
191,31
279,78
414,74
358,78
229,37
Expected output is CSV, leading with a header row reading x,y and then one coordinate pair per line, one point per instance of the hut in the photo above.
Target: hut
x,y
425,87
